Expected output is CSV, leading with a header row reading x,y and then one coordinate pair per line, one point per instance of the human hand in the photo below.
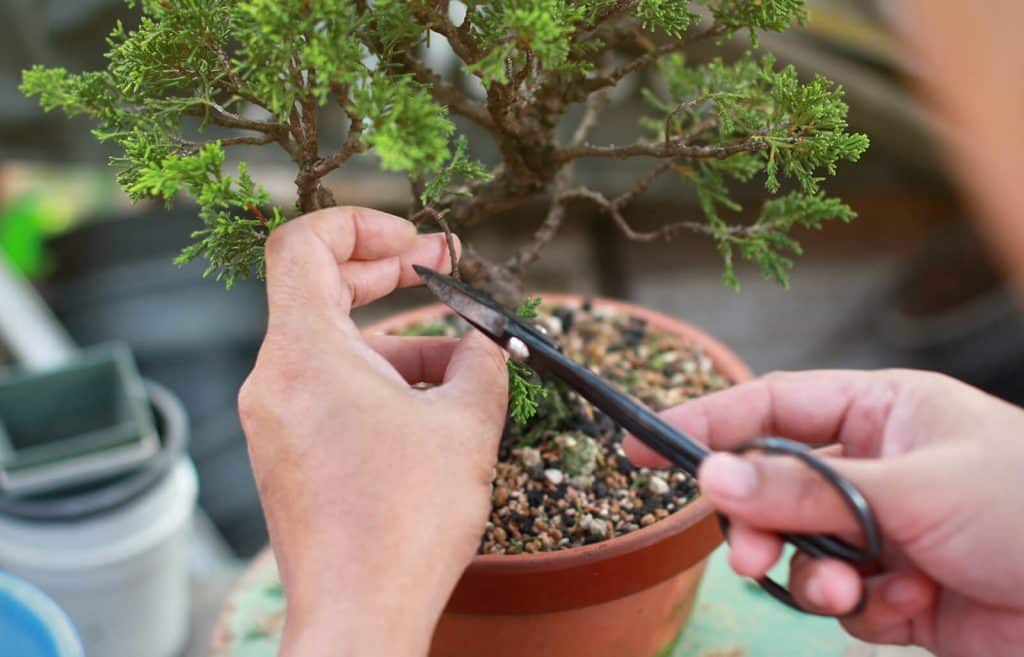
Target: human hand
x,y
375,493
941,464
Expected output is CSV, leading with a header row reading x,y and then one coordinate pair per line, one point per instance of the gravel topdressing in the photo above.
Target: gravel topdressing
x,y
562,480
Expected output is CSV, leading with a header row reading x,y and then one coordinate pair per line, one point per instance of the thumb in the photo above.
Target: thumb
x,y
477,374
782,494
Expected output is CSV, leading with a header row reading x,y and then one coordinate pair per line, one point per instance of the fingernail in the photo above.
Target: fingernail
x,y
901,592
729,476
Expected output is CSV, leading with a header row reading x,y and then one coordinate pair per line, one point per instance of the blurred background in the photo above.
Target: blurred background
x,y
906,284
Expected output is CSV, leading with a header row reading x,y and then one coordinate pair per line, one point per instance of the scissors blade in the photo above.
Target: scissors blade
x,y
465,302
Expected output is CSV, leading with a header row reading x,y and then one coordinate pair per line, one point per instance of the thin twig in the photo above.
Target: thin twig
x,y
611,79
609,206
438,217
591,112
228,119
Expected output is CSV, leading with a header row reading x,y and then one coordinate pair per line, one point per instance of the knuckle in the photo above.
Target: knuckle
x,y
250,405
286,238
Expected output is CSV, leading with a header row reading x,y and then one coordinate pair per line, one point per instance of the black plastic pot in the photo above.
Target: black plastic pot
x,y
110,494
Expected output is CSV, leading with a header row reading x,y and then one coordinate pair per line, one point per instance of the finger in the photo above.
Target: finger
x,y
303,255
895,601
752,552
776,493
827,586
779,493
417,359
369,280
817,408
477,375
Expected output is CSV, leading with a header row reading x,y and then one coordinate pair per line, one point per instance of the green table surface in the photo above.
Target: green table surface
x,y
732,618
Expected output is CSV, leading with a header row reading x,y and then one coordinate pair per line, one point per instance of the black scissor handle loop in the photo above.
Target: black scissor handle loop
x,y
820,545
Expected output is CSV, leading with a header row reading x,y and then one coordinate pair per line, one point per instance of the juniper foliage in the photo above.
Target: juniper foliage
x,y
266,69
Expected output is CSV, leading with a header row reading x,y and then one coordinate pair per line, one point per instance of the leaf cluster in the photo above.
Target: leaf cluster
x,y
524,391
796,132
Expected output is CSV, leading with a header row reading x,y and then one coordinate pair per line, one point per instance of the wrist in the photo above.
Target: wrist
x,y
355,628
360,607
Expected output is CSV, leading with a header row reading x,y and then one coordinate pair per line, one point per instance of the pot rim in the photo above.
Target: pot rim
x,y
725,361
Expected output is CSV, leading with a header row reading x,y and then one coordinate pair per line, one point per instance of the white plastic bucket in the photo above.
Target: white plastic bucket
x,y
122,576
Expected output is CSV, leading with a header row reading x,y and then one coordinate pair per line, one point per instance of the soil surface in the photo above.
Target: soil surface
x,y
562,479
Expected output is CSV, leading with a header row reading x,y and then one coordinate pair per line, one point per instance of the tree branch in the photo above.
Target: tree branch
x,y
221,116
352,145
459,38
662,150
612,209
192,147
448,95
591,111
612,78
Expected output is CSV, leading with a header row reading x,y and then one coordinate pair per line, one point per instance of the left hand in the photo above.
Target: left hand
x,y
375,493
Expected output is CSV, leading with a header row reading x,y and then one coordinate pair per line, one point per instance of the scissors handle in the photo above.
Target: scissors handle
x,y
688,454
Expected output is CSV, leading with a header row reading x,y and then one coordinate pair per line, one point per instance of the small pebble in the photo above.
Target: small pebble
x,y
554,475
658,486
647,520
598,528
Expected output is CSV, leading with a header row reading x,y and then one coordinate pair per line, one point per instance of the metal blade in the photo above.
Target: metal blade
x,y
464,302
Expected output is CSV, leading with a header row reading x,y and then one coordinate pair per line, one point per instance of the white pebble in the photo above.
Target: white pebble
x,y
554,475
531,458
657,486
598,528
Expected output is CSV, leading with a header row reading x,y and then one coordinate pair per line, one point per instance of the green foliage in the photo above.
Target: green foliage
x,y
754,15
291,48
796,132
670,16
528,309
406,128
266,71
523,390
515,31
234,225
461,166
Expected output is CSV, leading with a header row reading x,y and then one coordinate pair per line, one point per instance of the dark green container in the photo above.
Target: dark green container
x,y
87,420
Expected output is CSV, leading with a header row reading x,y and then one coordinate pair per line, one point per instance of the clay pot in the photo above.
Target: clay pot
x,y
626,597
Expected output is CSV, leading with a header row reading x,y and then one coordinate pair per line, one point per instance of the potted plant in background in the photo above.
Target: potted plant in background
x,y
578,538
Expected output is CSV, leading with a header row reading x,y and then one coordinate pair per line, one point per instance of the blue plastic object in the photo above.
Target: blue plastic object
x,y
31,624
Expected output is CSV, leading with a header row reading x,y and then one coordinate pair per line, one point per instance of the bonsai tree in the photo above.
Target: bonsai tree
x,y
268,71
199,77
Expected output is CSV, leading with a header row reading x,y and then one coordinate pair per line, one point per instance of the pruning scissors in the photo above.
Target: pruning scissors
x,y
526,343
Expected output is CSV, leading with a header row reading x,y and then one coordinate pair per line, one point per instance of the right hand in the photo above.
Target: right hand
x,y
942,465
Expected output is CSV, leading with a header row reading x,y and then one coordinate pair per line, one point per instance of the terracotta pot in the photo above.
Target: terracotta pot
x,y
626,597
